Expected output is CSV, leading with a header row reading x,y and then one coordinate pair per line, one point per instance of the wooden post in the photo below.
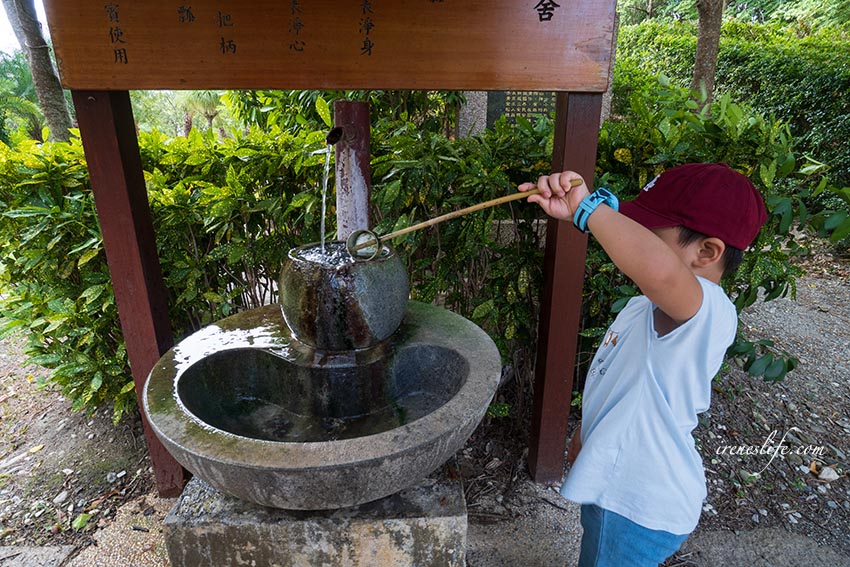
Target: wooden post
x,y
353,171
112,152
576,133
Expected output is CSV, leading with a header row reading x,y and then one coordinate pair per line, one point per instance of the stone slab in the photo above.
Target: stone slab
x,y
424,526
20,556
765,547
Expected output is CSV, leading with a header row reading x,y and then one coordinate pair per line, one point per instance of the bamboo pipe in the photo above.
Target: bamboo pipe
x,y
455,214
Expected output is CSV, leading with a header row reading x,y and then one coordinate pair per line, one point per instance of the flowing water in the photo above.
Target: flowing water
x,y
325,176
334,254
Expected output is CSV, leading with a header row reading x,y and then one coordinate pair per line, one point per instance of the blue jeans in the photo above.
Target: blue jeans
x,y
610,540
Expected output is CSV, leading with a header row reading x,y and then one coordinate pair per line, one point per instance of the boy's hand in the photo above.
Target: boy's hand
x,y
556,196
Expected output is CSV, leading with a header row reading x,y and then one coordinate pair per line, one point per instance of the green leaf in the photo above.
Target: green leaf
x,y
760,365
55,325
87,244
401,223
196,158
620,304
785,223
841,232
324,111
483,310
743,347
87,257
391,193
80,521
775,371
835,220
300,200
213,297
498,410
92,293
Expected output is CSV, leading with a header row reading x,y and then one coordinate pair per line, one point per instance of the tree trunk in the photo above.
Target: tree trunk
x,y
51,99
608,94
187,122
708,42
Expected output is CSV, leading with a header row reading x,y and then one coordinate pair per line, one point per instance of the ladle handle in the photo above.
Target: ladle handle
x,y
467,210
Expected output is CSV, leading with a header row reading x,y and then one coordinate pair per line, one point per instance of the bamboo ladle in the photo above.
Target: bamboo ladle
x,y
363,239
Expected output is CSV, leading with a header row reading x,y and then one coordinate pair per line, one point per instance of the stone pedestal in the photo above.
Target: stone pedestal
x,y
422,526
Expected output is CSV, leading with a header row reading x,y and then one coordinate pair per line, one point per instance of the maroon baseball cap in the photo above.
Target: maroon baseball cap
x,y
711,198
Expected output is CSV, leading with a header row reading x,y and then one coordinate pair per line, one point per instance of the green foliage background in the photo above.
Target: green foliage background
x,y
809,14
797,76
226,210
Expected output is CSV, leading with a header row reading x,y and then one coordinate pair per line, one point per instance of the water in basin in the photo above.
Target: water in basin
x,y
256,394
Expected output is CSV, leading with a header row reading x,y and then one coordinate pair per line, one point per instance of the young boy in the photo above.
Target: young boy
x,y
635,469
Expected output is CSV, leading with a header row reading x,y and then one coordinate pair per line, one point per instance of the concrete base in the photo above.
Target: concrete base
x,y
422,526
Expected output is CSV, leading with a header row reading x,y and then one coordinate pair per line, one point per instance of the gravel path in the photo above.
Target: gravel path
x,y
810,409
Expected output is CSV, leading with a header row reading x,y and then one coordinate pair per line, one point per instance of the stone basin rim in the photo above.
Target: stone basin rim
x,y
187,432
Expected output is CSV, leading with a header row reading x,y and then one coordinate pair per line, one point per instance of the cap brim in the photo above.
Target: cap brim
x,y
646,217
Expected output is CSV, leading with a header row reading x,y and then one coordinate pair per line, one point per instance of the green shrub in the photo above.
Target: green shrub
x,y
227,210
56,283
802,80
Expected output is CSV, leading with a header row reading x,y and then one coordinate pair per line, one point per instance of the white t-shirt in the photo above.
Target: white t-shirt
x,y
640,404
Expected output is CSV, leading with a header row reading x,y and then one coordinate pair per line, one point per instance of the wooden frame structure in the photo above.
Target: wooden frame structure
x,y
106,48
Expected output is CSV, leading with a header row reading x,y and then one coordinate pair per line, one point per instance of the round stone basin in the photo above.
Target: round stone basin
x,y
263,417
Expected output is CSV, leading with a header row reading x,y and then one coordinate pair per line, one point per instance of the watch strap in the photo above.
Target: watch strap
x,y
589,204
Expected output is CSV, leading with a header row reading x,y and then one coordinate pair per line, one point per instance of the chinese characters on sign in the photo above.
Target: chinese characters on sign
x,y
116,35
296,24
546,9
226,21
185,15
366,27
227,45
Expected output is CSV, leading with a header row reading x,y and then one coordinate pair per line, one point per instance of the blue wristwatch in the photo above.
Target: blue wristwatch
x,y
589,204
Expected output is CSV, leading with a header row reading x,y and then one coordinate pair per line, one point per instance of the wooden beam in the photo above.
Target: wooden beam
x,y
327,44
112,153
576,135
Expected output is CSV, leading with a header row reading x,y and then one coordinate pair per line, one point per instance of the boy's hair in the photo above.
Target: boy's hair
x,y
732,256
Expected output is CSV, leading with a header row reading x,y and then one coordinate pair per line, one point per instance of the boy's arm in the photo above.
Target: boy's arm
x,y
649,262
656,269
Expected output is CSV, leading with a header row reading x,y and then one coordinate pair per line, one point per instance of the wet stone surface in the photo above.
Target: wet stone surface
x,y
333,303
262,416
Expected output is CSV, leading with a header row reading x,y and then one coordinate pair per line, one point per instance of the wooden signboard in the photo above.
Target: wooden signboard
x,y
560,45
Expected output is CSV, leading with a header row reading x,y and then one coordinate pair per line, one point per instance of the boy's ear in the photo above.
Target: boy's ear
x,y
710,251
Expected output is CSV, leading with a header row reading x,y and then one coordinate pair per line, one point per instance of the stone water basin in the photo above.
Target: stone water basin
x,y
268,419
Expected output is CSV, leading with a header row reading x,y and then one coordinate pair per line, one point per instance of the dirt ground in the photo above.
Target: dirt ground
x,y
59,466
66,477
